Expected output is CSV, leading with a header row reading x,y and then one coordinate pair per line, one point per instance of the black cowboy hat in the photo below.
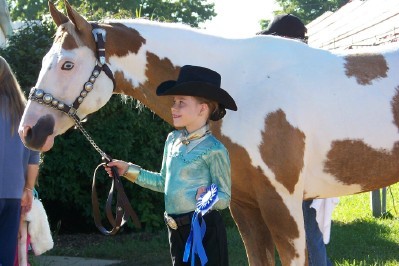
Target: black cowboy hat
x,y
286,25
200,82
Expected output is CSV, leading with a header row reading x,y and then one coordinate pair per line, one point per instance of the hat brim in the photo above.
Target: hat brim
x,y
197,89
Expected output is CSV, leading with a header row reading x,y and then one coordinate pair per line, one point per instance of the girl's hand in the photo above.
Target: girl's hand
x,y
122,167
200,191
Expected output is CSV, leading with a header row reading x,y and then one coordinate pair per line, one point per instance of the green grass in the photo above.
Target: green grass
x,y
357,239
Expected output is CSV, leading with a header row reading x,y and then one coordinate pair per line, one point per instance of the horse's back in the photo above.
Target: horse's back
x,y
326,100
331,98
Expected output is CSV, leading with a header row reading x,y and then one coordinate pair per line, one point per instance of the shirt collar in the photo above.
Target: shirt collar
x,y
186,138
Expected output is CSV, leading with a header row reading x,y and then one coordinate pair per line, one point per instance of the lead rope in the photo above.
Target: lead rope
x,y
123,209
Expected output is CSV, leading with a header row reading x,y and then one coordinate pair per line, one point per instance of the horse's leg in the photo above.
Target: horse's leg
x,y
255,234
285,222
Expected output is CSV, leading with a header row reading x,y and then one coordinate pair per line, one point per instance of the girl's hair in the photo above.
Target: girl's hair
x,y
12,99
216,110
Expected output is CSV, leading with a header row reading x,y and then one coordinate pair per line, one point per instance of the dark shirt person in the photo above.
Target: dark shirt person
x,y
19,166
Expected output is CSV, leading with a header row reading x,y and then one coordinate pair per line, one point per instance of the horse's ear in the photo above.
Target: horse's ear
x,y
57,16
79,21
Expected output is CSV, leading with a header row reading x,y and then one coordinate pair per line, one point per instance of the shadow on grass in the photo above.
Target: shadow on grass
x,y
362,242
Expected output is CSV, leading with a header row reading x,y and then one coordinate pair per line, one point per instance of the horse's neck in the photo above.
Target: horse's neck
x,y
163,52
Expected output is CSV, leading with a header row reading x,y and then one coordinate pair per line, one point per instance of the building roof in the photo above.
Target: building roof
x,y
358,23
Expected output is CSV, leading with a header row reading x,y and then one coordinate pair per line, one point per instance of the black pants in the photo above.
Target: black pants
x,y
215,242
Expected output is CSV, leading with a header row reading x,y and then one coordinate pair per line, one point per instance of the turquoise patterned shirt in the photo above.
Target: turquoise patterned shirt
x,y
185,168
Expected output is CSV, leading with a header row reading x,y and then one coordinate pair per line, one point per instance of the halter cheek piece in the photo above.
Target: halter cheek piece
x,y
123,207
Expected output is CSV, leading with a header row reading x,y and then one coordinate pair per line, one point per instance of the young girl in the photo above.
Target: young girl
x,y
193,159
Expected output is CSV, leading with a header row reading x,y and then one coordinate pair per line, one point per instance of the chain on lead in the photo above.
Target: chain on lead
x,y
88,137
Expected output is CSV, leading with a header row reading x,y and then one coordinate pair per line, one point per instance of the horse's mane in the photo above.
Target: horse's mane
x,y
166,25
145,21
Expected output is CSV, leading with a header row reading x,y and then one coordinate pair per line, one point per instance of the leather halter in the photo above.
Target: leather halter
x,y
42,97
123,207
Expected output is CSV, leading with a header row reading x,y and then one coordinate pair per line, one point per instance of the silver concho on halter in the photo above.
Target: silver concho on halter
x,y
41,97
103,33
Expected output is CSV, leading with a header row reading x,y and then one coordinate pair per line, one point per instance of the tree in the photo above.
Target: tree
x,y
308,10
191,12
27,9
264,23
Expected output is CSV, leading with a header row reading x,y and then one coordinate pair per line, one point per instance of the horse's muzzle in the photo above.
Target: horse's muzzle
x,y
37,137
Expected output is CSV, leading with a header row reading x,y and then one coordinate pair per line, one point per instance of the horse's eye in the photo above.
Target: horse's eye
x,y
67,65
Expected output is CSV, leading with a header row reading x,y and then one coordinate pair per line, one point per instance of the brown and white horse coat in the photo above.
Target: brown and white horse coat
x,y
310,124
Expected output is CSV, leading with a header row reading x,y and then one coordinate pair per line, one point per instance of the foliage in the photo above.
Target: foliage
x,y
27,9
308,10
122,131
264,23
191,12
26,49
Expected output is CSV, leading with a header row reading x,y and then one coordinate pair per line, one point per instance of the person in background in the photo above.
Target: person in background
x,y
286,25
19,166
290,26
194,161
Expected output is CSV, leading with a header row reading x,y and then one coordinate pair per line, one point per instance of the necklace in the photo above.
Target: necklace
x,y
186,138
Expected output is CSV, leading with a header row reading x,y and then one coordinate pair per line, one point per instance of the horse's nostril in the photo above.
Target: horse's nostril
x,y
27,134
35,137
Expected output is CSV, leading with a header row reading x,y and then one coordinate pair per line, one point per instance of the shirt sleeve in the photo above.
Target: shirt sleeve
x,y
34,157
153,180
219,165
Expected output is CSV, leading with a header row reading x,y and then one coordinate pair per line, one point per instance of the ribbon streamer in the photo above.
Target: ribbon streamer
x,y
198,226
194,241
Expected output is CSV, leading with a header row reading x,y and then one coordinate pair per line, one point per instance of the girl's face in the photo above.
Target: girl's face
x,y
189,113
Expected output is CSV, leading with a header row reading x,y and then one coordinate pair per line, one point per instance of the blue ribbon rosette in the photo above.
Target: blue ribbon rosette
x,y
198,226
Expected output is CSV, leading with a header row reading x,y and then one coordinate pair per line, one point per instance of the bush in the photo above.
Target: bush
x,y
122,132
120,128
25,50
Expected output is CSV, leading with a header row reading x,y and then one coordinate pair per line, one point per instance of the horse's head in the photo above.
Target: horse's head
x,y
66,70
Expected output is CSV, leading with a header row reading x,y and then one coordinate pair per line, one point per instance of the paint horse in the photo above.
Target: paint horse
x,y
310,123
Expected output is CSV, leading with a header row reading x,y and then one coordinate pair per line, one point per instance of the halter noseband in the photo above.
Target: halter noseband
x,y
42,97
